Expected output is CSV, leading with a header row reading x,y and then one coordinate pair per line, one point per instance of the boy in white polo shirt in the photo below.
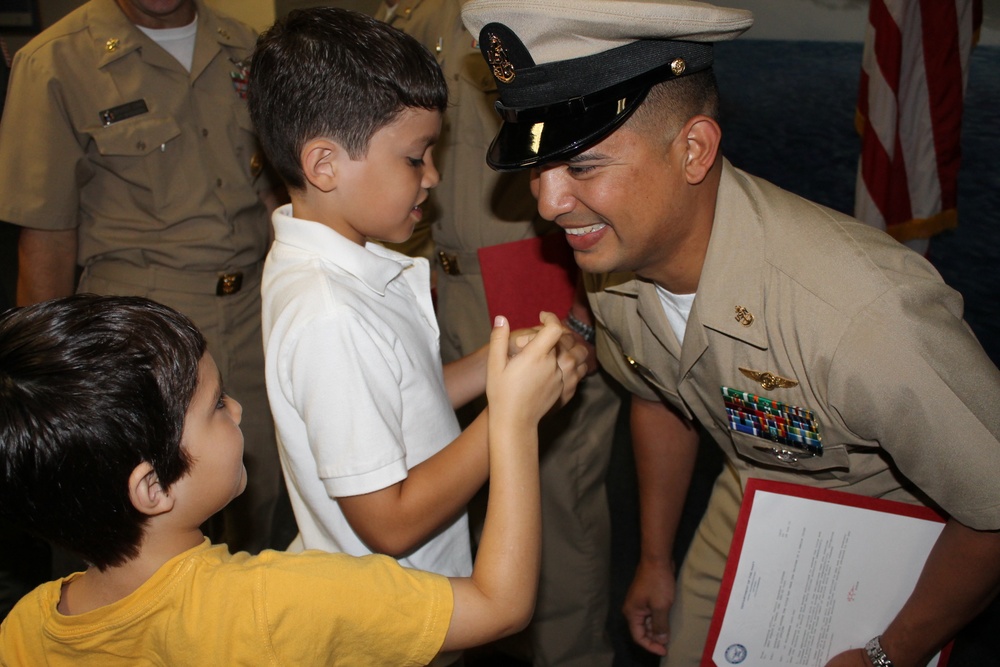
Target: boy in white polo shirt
x,y
348,110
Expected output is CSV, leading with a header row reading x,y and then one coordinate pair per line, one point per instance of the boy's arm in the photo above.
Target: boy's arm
x,y
498,599
399,518
465,379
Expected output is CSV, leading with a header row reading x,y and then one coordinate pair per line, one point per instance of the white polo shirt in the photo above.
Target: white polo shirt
x,y
355,381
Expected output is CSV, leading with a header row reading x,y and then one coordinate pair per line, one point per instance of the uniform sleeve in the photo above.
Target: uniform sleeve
x,y
42,164
334,609
910,375
344,381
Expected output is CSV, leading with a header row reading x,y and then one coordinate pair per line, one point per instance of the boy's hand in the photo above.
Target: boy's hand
x,y
523,387
573,354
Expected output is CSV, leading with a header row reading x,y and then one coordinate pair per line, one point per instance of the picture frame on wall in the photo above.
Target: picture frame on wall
x,y
19,16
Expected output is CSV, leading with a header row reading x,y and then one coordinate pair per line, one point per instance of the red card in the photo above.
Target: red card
x,y
523,278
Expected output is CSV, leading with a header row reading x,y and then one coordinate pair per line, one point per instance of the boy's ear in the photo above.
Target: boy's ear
x,y
319,159
146,493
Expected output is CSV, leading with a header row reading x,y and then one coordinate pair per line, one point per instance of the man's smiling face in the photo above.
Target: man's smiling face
x,y
623,202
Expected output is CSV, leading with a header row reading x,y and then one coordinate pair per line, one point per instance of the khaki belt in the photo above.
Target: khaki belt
x,y
216,283
456,262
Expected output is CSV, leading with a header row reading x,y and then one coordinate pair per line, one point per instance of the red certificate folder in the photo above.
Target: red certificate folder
x,y
743,573
523,278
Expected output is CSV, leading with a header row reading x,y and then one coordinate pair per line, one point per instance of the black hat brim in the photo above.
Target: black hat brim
x,y
521,144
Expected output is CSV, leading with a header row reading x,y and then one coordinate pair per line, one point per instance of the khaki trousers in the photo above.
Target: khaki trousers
x,y
569,625
701,573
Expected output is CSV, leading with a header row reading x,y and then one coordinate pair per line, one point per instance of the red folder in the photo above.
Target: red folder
x,y
801,491
523,278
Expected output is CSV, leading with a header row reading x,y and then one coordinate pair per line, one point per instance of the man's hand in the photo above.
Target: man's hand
x,y
592,364
854,658
647,606
572,359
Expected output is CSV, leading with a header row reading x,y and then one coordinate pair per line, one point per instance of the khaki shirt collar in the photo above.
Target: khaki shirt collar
x,y
116,36
731,278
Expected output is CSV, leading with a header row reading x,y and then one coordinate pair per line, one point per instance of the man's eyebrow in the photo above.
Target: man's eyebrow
x,y
586,157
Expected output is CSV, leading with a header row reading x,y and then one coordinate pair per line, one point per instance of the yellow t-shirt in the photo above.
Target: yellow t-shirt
x,y
208,607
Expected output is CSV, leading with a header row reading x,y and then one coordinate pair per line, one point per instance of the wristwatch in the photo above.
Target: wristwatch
x,y
875,653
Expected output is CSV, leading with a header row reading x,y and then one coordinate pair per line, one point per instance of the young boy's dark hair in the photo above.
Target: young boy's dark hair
x,y
335,73
86,394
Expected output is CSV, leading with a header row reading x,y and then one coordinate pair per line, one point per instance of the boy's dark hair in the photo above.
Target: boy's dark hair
x,y
90,387
331,72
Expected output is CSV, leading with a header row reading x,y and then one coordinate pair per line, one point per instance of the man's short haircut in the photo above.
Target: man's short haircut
x,y
335,73
670,104
90,387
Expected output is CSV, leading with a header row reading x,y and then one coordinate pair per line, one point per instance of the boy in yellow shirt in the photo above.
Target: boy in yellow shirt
x,y
117,441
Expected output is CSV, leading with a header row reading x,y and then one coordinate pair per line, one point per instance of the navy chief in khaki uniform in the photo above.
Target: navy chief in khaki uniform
x,y
126,149
716,291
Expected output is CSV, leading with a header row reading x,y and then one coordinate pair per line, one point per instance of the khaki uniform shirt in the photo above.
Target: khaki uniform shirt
x,y
903,394
173,183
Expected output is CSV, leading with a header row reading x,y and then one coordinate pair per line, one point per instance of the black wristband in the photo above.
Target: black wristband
x,y
585,331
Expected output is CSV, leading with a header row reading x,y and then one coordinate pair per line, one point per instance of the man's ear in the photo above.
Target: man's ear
x,y
702,135
319,159
146,493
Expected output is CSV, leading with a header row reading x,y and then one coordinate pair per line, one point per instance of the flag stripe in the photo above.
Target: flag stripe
x,y
943,65
914,71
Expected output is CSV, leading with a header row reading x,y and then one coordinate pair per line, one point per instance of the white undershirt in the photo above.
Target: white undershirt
x,y
677,308
178,42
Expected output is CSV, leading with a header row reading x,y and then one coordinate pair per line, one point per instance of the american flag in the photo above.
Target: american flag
x,y
913,76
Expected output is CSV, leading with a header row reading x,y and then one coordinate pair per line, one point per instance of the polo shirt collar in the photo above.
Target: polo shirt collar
x,y
373,265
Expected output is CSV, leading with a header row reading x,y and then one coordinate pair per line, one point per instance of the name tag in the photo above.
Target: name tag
x,y
123,111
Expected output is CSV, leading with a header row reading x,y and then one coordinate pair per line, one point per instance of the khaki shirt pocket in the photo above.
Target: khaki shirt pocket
x,y
833,464
135,138
139,152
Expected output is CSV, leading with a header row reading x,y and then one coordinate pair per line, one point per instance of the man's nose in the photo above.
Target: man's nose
x,y
549,186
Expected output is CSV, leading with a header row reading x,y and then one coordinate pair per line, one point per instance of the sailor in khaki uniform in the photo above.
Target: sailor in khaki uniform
x,y
145,172
718,294
475,207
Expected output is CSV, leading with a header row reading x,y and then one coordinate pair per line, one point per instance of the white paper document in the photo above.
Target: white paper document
x,y
815,572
